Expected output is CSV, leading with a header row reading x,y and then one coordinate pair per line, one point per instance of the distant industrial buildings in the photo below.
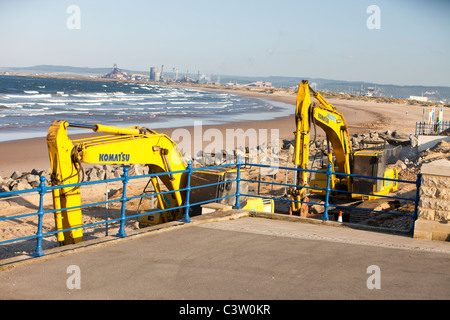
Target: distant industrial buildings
x,y
157,76
418,98
118,74
257,84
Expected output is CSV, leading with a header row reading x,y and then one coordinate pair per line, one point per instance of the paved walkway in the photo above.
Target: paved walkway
x,y
243,258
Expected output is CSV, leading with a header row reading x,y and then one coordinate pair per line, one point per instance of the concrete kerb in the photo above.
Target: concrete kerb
x,y
330,223
14,262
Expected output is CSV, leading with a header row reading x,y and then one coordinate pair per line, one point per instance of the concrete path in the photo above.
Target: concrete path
x,y
244,258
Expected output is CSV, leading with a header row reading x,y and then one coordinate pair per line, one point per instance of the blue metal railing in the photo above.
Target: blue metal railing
x,y
328,190
424,128
43,189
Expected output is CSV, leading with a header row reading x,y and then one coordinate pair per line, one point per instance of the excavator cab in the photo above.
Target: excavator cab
x,y
224,191
372,163
319,179
368,163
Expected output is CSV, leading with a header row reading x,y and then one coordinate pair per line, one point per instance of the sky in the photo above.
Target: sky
x,y
402,42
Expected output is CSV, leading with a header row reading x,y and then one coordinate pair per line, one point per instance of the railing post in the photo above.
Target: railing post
x,y
106,209
237,205
122,233
38,251
416,201
327,196
188,192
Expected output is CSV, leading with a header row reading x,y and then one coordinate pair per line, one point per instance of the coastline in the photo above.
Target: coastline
x,y
31,153
361,116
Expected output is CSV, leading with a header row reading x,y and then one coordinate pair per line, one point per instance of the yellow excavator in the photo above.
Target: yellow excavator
x,y
343,159
133,145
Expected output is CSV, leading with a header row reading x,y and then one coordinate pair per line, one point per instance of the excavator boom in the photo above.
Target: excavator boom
x,y
324,115
134,145
332,122
126,146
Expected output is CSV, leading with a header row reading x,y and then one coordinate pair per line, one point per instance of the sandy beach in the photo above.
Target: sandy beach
x,y
361,116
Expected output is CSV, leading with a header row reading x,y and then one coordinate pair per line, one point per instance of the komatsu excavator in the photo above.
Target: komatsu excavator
x,y
134,145
342,158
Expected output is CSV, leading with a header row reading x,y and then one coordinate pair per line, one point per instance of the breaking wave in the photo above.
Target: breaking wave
x,y
41,101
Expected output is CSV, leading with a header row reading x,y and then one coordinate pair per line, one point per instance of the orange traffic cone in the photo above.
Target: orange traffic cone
x,y
340,216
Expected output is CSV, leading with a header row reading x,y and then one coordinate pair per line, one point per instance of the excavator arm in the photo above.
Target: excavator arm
x,y
124,146
333,123
363,162
325,116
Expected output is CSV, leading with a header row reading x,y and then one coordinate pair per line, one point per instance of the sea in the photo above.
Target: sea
x,y
29,105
